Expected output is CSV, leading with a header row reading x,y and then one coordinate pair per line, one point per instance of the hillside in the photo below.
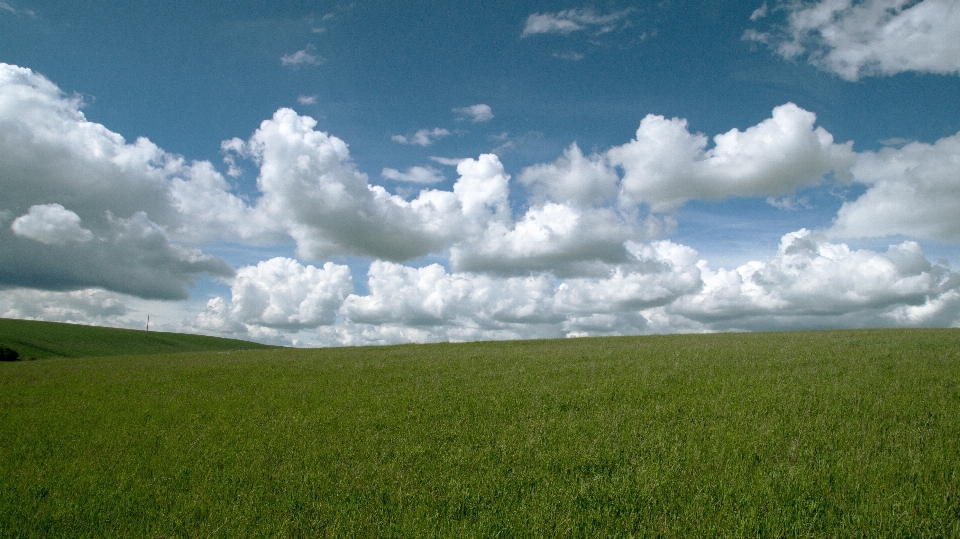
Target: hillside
x,y
33,339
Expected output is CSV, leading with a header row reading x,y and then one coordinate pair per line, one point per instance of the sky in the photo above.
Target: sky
x,y
317,173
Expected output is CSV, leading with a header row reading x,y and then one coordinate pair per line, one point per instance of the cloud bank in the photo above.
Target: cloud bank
x,y
90,222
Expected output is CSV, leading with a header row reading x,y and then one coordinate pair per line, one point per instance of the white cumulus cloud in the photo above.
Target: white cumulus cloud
x,y
811,282
666,165
119,228
913,191
280,293
51,224
573,178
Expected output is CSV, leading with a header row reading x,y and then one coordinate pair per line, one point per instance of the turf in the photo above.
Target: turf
x,y
807,434
38,340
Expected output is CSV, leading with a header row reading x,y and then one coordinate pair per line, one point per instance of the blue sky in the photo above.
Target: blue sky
x,y
325,173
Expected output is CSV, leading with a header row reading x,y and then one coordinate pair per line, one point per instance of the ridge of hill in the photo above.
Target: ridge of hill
x,y
35,339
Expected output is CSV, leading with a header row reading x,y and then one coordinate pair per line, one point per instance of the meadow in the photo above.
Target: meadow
x,y
799,434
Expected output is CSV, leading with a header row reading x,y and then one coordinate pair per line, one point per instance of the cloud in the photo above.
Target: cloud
x,y
307,99
759,13
429,303
666,165
571,20
302,57
87,306
89,209
573,177
451,162
4,6
423,137
870,38
564,239
789,203
661,287
579,216
913,191
51,224
811,282
415,174
476,113
311,188
280,293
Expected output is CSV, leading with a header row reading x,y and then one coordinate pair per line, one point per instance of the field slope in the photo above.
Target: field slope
x,y
807,434
38,340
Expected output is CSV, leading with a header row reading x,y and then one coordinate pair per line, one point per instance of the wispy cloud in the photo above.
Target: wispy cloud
x,y
414,175
10,9
573,20
448,161
475,113
870,38
423,137
305,56
307,99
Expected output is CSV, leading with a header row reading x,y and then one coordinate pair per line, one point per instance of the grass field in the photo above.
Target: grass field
x,y
36,340
807,434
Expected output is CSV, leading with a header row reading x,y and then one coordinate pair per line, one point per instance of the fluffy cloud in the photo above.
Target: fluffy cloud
x,y
414,175
476,113
564,239
571,20
280,293
811,282
914,191
430,303
423,137
129,255
89,209
311,187
573,178
873,37
666,165
662,287
51,224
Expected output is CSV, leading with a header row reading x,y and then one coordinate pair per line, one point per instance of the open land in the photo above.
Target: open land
x,y
798,434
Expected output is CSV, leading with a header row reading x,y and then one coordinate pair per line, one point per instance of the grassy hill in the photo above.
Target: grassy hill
x,y
806,434
38,340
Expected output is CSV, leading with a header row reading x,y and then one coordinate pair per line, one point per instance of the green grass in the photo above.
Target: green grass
x,y
39,340
807,434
